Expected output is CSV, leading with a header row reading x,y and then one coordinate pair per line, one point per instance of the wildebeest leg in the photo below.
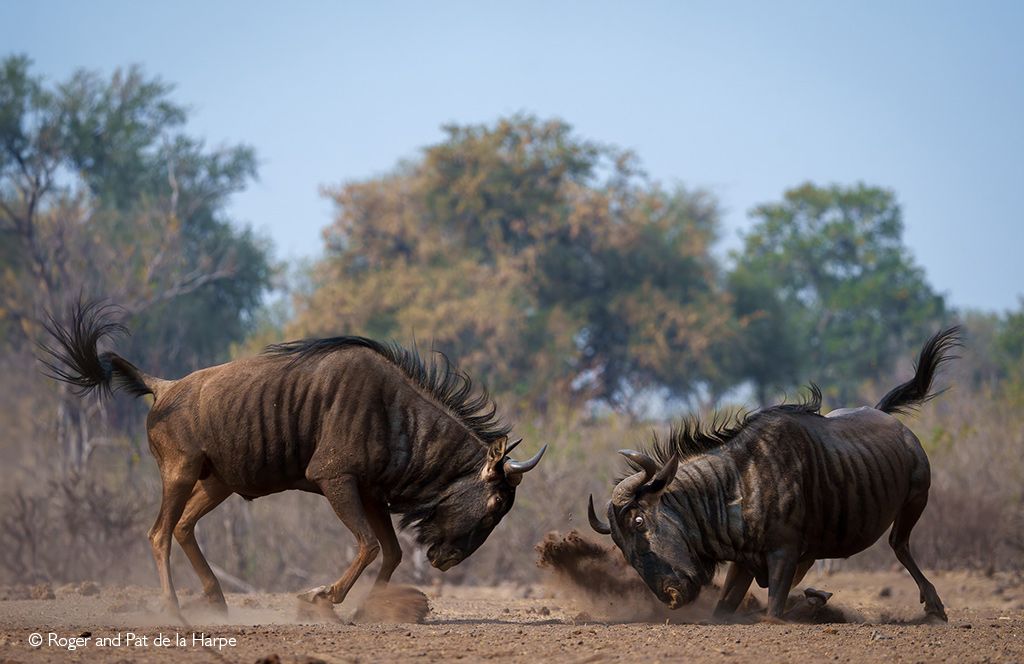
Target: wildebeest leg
x,y
782,568
899,540
391,550
801,572
178,481
343,495
737,581
206,495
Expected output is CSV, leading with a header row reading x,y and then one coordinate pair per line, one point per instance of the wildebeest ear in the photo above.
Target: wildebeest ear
x,y
492,469
496,452
664,477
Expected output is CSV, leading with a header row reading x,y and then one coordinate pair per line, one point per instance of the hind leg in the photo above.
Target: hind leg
x,y
206,495
801,572
178,476
899,540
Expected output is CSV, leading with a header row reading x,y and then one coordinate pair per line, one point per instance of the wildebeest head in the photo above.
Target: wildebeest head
x,y
468,509
652,539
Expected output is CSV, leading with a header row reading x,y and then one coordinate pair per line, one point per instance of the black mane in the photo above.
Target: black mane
x,y
452,387
692,437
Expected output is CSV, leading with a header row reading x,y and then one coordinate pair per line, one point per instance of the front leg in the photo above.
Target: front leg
x,y
342,492
782,569
737,581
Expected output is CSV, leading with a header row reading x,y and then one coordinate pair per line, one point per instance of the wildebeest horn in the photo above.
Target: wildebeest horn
x,y
509,448
514,469
642,460
595,523
628,487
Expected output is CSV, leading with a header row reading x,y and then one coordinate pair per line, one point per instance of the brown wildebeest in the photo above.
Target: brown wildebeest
x,y
781,489
370,426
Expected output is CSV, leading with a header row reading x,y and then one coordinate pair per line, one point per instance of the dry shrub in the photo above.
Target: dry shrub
x,y
975,513
72,529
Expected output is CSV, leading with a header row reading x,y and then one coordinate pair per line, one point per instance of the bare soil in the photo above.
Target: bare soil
x,y
871,617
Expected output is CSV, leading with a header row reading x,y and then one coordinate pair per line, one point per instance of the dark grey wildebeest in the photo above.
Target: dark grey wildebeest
x,y
775,492
370,426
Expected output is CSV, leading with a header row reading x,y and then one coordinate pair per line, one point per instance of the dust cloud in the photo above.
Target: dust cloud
x,y
393,604
598,578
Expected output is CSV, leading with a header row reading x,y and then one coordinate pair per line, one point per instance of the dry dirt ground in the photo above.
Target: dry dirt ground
x,y
554,622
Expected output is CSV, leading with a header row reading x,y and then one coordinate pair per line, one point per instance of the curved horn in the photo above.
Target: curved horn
x,y
512,446
628,487
595,523
647,463
514,469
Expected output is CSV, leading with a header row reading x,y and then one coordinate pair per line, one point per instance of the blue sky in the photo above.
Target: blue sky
x,y
746,99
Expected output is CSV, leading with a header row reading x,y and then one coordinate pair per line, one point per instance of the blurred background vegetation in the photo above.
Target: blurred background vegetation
x,y
595,304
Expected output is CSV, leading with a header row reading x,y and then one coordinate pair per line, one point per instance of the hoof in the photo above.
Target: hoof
x,y
207,606
173,612
817,598
313,595
316,609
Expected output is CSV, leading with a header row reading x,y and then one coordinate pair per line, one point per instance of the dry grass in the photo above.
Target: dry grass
x,y
64,528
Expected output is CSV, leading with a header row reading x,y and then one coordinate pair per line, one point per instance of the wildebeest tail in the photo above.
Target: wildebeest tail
x,y
75,358
916,391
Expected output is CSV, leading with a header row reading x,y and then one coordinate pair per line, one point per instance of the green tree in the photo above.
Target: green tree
x,y
1001,338
847,290
103,195
545,262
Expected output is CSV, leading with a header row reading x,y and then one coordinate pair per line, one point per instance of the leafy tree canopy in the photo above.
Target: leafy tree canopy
x,y
102,193
545,262
843,298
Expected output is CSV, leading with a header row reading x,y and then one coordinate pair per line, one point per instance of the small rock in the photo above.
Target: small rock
x,y
127,605
88,589
886,591
43,591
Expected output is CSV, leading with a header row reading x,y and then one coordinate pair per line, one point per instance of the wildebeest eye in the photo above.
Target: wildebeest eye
x,y
494,504
638,521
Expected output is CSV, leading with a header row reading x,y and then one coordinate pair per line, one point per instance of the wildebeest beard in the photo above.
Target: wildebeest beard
x,y
415,517
701,577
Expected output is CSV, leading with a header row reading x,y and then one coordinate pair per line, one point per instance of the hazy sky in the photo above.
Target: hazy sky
x,y
746,99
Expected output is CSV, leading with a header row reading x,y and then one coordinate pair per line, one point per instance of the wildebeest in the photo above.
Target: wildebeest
x,y
370,426
775,492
